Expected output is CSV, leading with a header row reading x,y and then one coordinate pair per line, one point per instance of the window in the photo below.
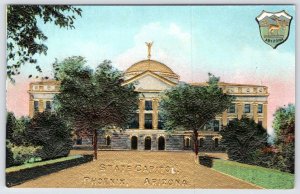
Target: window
x,y
216,125
134,123
260,108
231,108
229,121
108,140
148,121
48,106
259,123
187,142
216,142
160,122
148,105
247,108
201,142
79,141
36,106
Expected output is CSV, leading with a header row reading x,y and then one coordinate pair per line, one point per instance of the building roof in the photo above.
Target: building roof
x,y
149,65
224,84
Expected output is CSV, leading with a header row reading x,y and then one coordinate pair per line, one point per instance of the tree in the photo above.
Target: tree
x,y
51,132
188,107
24,37
243,138
284,126
94,100
15,129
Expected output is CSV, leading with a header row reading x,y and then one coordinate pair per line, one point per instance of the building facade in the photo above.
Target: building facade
x,y
146,130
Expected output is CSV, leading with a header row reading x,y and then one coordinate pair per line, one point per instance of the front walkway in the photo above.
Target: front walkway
x,y
135,169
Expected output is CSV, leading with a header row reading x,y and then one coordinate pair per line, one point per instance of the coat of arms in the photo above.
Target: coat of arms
x,y
274,27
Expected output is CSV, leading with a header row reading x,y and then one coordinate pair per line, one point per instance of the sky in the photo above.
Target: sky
x,y
191,40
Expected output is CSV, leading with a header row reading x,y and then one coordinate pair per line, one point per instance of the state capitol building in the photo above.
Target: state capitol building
x,y
146,131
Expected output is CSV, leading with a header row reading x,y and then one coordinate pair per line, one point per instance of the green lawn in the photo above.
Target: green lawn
x,y
31,165
264,177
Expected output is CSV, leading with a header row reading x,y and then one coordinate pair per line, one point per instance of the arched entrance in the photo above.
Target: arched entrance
x,y
108,141
148,143
161,143
134,141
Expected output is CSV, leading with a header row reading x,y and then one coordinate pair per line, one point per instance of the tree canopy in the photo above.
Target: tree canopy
x,y
284,124
190,107
52,133
25,38
243,138
92,100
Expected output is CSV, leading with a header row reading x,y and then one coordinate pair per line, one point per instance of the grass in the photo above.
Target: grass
x,y
263,177
42,163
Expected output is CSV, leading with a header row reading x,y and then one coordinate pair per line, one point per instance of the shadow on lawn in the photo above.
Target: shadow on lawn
x,y
19,177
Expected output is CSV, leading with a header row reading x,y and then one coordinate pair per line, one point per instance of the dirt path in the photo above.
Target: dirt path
x,y
133,169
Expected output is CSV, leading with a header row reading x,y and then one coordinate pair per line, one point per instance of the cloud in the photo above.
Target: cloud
x,y
171,46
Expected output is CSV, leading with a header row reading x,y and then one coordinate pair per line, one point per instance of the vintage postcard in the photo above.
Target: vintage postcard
x,y
153,97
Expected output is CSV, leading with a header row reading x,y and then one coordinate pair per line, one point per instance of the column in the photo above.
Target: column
x,y
224,118
254,105
155,113
31,108
265,113
141,113
41,106
240,110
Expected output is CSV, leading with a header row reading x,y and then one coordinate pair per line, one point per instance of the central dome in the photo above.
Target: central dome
x,y
149,65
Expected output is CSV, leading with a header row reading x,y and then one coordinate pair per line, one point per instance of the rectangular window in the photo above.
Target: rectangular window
x,y
231,108
148,121
160,122
260,108
48,106
134,124
216,125
229,121
247,108
36,106
148,105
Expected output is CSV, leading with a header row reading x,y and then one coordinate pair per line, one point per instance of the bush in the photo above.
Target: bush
x,y
243,139
52,133
9,157
24,154
15,129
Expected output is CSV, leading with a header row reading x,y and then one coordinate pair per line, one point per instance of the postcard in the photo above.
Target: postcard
x,y
152,97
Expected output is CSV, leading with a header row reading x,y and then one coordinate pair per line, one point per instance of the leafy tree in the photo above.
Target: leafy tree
x,y
51,132
94,100
24,37
284,126
188,107
243,138
11,125
15,129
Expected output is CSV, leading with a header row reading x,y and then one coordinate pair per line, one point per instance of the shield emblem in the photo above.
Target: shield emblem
x,y
274,27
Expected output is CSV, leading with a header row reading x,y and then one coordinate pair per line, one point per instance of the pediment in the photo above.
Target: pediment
x,y
149,81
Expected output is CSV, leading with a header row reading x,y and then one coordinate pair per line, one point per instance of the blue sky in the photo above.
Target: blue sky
x,y
192,40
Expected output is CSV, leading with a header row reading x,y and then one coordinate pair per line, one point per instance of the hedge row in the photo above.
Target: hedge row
x,y
19,177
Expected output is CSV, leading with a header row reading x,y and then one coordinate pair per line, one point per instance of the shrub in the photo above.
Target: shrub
x,y
9,157
52,133
24,154
243,139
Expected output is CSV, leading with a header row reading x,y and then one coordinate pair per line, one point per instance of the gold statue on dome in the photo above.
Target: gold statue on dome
x,y
149,45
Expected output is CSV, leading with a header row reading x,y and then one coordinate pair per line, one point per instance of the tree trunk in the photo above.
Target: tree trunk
x,y
196,142
95,143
